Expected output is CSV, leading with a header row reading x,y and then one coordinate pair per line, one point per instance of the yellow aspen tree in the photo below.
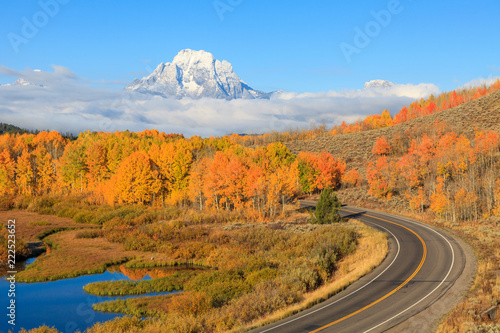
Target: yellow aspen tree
x,y
196,183
439,200
24,173
44,170
7,173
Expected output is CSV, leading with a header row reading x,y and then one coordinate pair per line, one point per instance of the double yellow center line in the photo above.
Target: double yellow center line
x,y
393,291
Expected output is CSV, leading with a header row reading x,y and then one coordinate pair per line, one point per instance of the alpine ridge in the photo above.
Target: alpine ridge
x,y
378,84
195,74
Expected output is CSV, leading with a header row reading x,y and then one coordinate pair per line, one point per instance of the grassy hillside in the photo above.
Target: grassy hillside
x,y
482,113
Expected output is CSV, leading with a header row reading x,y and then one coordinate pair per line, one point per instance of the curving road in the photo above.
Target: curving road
x,y
421,266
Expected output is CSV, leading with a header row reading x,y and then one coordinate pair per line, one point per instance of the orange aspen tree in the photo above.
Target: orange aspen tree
x,y
351,178
135,181
330,171
382,147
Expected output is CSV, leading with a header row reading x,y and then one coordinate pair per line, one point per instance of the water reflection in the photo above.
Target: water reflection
x,y
137,274
63,303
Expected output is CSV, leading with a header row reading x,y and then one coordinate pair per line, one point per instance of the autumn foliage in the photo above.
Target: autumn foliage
x,y
156,169
454,176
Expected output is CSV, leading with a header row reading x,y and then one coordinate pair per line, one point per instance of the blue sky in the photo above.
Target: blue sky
x,y
290,45
320,52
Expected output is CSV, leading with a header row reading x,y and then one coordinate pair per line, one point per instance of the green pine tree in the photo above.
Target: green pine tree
x,y
327,208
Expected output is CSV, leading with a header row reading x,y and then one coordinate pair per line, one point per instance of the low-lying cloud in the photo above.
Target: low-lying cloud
x,y
62,101
480,82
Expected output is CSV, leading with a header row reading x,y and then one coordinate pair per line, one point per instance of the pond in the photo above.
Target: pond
x,y
63,303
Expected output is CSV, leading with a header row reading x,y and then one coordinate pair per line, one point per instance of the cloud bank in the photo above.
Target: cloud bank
x,y
480,82
68,103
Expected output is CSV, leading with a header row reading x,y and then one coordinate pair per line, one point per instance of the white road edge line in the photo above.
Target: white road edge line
x,y
449,271
328,305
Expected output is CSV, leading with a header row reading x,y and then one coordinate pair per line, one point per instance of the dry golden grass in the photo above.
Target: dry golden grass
x,y
27,228
485,291
371,251
71,256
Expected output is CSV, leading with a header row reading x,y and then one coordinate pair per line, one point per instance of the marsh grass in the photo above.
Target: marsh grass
x,y
71,257
148,306
90,234
38,223
32,226
174,282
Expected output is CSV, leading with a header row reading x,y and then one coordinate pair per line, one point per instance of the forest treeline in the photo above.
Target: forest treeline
x,y
454,176
153,168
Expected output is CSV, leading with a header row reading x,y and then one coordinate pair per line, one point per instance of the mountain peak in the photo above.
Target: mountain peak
x,y
22,82
195,74
378,84
191,56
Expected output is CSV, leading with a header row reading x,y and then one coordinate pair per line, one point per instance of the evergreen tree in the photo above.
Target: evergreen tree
x,y
327,208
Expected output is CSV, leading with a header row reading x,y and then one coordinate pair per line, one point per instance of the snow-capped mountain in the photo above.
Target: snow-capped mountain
x,y
378,84
22,82
195,74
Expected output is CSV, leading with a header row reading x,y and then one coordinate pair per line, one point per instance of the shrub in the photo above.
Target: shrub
x,y
7,202
22,202
43,205
220,287
90,234
83,217
22,249
66,211
41,329
38,223
327,208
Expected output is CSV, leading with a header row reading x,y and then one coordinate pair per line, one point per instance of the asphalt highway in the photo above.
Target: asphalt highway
x,y
422,264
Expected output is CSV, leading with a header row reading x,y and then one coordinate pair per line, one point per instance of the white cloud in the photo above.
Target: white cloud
x,y
69,103
480,82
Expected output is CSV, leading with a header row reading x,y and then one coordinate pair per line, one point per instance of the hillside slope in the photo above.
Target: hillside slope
x,y
482,113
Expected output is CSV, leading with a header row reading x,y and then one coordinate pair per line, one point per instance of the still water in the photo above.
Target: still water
x,y
62,304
